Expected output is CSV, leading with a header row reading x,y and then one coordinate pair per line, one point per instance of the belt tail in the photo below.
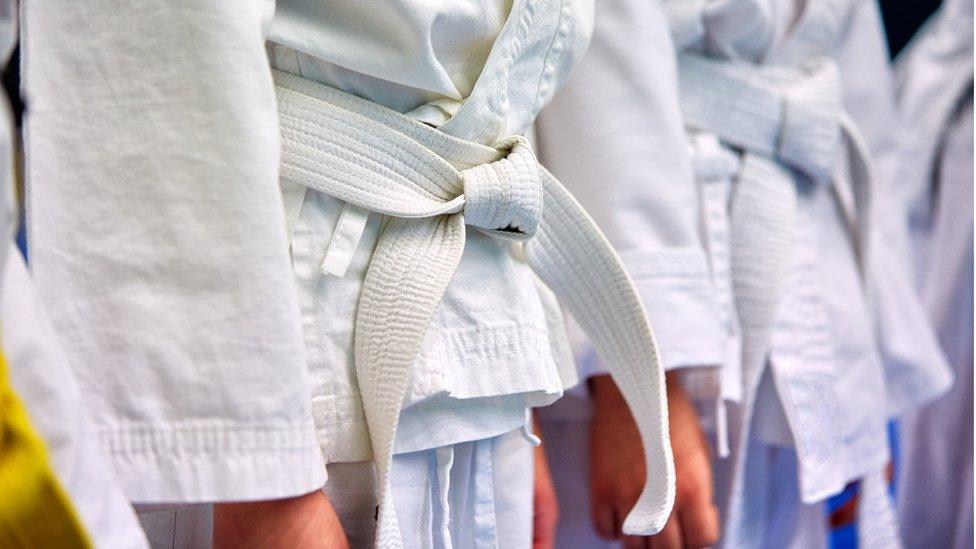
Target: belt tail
x,y
409,272
877,527
762,220
571,255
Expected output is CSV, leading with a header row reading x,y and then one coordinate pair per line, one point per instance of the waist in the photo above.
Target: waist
x,y
430,186
488,337
791,115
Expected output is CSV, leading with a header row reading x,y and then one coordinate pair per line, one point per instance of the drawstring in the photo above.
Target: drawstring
x,y
345,240
477,496
445,462
721,427
527,432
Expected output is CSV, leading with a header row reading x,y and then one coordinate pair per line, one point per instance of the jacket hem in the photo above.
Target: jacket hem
x,y
212,462
682,304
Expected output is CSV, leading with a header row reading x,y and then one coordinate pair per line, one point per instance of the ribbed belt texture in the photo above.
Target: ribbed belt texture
x,y
785,114
782,118
432,185
791,115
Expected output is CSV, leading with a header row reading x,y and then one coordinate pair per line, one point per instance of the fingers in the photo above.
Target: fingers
x,y
636,542
670,537
545,502
604,520
695,507
700,524
544,531
543,536
544,521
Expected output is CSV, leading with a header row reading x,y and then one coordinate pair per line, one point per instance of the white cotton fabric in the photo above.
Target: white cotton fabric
x,y
613,136
38,369
156,232
933,159
156,218
473,494
915,367
824,396
45,383
491,338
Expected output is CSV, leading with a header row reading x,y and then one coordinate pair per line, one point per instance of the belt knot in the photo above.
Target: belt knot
x,y
504,198
809,136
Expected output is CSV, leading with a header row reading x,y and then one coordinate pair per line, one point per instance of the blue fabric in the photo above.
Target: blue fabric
x,y
22,238
840,499
845,537
895,456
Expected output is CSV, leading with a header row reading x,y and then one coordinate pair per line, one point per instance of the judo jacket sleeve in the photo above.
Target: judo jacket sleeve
x,y
157,240
51,397
915,367
614,136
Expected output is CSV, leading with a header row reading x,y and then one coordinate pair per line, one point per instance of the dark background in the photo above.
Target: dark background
x,y
902,18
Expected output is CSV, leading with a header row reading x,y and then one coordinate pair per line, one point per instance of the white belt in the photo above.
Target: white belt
x,y
791,116
783,119
431,185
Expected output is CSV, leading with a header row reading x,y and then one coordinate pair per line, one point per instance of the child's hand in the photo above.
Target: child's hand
x,y
617,470
545,504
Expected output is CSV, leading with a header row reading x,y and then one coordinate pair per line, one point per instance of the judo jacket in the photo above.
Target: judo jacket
x,y
260,265
932,162
789,213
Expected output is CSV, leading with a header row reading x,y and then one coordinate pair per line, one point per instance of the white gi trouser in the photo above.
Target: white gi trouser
x,y
444,497
784,119
348,147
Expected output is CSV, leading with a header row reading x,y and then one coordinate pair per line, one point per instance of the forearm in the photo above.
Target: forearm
x,y
308,520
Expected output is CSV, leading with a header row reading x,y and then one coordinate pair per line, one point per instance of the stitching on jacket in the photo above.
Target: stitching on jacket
x,y
553,54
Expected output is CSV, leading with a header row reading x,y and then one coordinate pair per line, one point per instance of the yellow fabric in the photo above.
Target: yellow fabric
x,y
34,510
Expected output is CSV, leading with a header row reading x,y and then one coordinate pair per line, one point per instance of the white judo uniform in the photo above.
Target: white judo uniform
x,y
933,165
764,86
784,179
220,366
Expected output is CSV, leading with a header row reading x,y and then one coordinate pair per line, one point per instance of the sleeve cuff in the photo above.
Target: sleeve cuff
x,y
680,300
201,463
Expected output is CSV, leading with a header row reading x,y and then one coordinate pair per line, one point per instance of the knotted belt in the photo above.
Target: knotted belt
x,y
431,185
784,120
